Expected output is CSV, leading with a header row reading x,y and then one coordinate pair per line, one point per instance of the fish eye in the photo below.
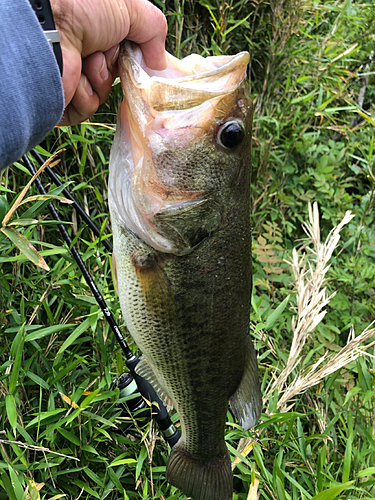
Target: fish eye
x,y
230,134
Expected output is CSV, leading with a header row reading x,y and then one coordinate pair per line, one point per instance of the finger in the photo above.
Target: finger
x,y
99,71
111,56
72,69
149,35
154,54
83,105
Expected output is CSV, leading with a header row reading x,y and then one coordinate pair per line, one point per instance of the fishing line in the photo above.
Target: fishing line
x,y
159,411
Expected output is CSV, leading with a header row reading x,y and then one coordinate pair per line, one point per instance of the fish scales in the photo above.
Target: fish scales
x,y
180,213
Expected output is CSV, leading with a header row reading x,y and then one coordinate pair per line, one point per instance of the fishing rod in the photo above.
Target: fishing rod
x,y
51,174
128,383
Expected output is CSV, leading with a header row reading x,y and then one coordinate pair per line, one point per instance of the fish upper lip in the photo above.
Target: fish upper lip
x,y
203,79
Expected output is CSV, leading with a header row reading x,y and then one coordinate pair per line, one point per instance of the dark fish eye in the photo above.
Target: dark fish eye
x,y
230,135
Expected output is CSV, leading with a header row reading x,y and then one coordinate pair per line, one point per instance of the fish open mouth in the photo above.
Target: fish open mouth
x,y
185,83
164,112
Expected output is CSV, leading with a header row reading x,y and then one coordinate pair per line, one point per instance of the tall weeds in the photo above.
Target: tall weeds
x,y
310,270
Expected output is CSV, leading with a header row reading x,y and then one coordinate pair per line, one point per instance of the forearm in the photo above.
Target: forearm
x,y
31,93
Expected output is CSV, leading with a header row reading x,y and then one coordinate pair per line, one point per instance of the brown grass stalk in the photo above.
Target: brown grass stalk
x,y
310,271
315,373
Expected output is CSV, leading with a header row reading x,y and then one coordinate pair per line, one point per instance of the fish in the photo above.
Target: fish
x,y
179,199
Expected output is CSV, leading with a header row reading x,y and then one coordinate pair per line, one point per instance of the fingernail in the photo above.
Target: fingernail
x,y
104,70
86,85
111,56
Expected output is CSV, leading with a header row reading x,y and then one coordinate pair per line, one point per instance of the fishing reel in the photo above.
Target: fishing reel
x,y
134,409
137,409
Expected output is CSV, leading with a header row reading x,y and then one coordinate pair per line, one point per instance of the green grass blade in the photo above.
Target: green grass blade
x,y
49,330
276,314
74,335
366,472
141,459
17,351
86,488
69,436
38,380
11,409
25,247
347,461
8,486
332,492
18,488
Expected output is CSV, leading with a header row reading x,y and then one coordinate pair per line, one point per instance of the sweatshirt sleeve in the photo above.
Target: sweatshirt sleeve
x,y
31,92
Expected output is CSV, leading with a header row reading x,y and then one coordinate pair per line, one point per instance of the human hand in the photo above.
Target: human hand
x,y
90,32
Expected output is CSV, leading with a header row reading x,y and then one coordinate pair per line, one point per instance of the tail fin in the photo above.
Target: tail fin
x,y
200,479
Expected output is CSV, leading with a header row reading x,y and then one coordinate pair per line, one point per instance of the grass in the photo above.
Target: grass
x,y
313,302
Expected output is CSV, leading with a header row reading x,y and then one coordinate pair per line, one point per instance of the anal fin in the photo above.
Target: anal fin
x,y
144,369
246,402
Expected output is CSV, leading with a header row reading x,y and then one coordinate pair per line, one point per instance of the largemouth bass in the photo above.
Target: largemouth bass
x,y
179,194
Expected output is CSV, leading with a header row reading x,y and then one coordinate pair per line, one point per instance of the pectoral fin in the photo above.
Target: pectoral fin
x,y
156,289
188,223
246,402
144,369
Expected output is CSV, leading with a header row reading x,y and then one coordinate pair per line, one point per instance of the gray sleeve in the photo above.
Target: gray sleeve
x,y
31,92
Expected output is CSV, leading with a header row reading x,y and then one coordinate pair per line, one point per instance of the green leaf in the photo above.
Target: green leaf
x,y
44,415
238,23
141,459
22,222
5,190
123,461
293,481
304,98
38,380
25,247
347,461
69,436
14,477
94,477
44,197
8,486
89,449
4,206
89,398
332,492
17,351
86,488
79,138
69,368
115,479
74,335
99,418
11,409
58,425
366,472
352,392
275,315
49,330
18,341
